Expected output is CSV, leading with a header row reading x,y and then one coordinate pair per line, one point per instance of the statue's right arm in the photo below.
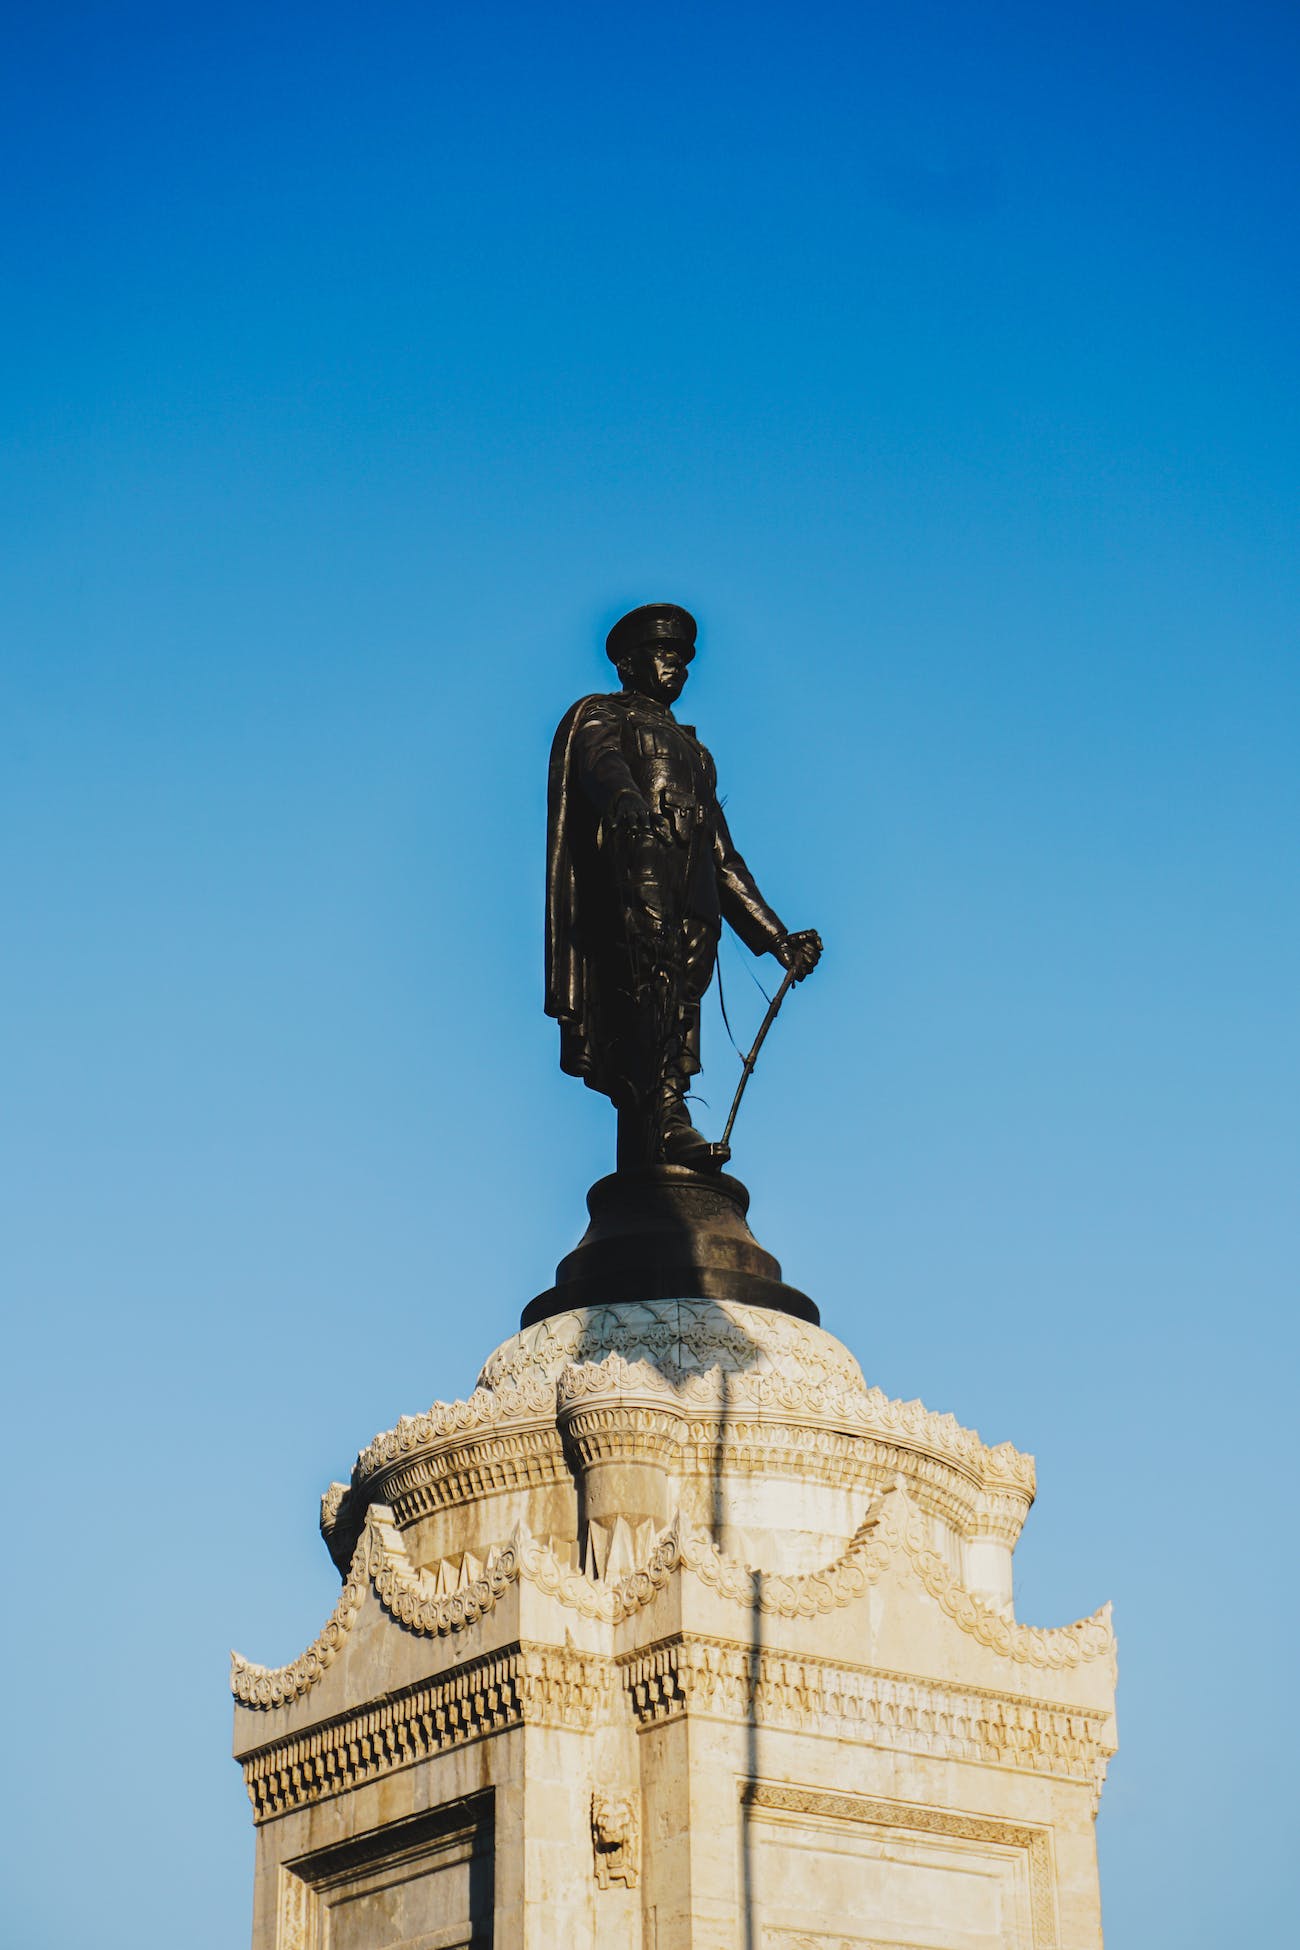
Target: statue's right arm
x,y
598,762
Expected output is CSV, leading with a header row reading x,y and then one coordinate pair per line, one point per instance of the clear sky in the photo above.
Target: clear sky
x,y
358,366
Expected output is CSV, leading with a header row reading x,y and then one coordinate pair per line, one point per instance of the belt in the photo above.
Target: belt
x,y
676,803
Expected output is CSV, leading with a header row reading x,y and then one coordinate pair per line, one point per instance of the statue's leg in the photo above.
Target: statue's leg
x,y
680,1141
640,1047
652,898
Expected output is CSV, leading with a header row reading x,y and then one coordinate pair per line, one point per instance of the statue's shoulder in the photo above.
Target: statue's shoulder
x,y
596,701
609,706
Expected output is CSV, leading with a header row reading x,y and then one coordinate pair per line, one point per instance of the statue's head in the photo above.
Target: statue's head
x,y
651,647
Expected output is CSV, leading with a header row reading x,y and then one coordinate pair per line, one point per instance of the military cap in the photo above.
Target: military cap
x,y
651,623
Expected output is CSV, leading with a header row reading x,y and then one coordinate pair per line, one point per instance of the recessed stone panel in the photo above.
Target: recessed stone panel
x,y
421,1884
824,1871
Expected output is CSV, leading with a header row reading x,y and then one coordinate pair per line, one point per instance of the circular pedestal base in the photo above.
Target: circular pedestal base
x,y
667,1233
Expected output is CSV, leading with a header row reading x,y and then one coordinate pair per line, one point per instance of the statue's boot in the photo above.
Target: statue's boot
x,y
679,1141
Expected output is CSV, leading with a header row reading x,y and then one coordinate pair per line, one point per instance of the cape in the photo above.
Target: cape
x,y
570,864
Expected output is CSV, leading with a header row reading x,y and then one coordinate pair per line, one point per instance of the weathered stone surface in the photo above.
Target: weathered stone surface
x,y
677,1634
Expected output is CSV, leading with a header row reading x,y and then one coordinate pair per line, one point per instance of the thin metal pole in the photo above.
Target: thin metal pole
x,y
752,1058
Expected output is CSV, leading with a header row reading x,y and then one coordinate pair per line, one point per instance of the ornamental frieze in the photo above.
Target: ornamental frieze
x,y
419,1599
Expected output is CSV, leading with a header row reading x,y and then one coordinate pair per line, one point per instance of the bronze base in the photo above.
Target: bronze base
x,y
668,1233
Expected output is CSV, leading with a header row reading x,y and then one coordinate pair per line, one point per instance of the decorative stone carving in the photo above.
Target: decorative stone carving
x,y
741,1682
688,1336
1063,1645
793,1597
656,1552
438,1601
330,1504
546,1685
698,1391
726,1679
486,1408
616,1837
265,1686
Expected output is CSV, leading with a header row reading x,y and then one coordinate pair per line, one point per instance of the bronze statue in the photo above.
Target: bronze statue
x,y
641,871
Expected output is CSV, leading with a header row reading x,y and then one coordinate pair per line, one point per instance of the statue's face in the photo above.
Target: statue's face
x,y
659,670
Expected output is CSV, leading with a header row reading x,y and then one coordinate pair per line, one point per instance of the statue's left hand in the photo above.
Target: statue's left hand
x,y
800,952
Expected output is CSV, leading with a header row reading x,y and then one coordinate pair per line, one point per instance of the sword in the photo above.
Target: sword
x,y
748,1071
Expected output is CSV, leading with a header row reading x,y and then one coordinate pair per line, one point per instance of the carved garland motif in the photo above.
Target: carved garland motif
x,y
1056,1646
405,1594
892,1525
271,1686
806,1596
381,1559
609,1602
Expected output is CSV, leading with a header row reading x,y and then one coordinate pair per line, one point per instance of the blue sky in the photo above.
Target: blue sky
x,y
359,366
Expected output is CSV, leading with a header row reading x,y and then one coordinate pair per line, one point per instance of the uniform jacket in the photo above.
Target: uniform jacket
x,y
606,746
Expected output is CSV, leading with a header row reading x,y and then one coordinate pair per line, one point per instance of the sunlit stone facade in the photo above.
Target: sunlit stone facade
x,y
677,1634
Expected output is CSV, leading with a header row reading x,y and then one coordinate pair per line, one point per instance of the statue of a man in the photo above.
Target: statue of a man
x,y
640,874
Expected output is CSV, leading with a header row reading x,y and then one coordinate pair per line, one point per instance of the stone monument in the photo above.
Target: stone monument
x,y
673,1634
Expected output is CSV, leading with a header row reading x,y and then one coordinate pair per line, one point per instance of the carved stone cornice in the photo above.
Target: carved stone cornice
x,y
452,1474
617,1430
731,1679
530,1397
718,1678
690,1387
546,1685
1000,1516
448,1457
830,1401
857,1466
